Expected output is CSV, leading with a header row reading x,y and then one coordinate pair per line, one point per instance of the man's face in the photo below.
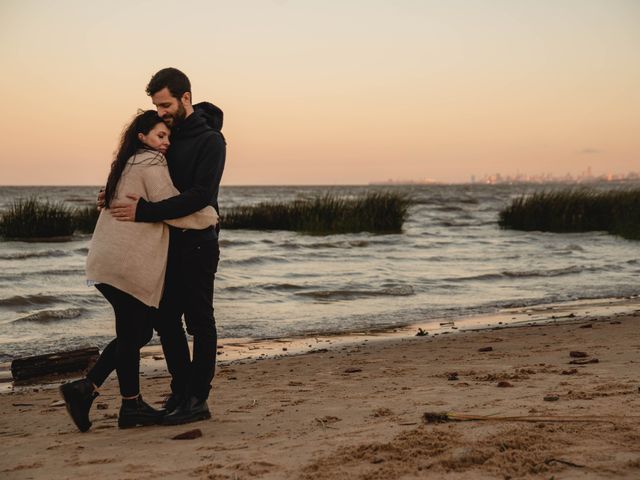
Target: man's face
x,y
170,109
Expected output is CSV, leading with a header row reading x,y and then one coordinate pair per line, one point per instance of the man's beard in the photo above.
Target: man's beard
x,y
177,118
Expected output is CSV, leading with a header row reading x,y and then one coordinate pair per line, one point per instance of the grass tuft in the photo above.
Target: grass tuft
x,y
85,219
33,218
383,212
576,210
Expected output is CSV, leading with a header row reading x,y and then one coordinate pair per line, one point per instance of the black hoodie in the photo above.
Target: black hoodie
x,y
196,161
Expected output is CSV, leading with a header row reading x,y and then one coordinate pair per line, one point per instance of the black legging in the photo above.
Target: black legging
x,y
133,331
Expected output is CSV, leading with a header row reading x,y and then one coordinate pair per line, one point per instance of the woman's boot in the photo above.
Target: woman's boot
x,y
78,397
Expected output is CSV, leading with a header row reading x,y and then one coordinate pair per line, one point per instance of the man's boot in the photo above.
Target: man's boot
x,y
172,402
136,411
192,409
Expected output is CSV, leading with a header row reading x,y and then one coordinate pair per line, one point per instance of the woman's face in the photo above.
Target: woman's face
x,y
157,138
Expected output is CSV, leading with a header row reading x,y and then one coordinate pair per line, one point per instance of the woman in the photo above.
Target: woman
x,y
127,263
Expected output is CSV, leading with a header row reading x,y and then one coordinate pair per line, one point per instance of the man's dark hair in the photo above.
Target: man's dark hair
x,y
172,78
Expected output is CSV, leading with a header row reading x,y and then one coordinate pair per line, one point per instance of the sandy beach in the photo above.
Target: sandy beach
x,y
353,407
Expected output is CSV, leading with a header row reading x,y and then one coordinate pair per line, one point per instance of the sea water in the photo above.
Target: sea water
x,y
451,259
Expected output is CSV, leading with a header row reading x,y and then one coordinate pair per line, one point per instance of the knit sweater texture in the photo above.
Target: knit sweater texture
x,y
132,256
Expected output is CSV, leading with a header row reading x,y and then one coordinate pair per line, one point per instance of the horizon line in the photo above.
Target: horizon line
x,y
370,184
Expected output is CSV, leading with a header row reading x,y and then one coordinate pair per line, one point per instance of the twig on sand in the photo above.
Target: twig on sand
x,y
564,462
442,417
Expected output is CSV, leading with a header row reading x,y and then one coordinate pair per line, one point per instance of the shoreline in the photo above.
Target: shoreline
x,y
233,350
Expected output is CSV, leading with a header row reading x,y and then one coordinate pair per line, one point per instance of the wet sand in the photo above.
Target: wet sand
x,y
352,407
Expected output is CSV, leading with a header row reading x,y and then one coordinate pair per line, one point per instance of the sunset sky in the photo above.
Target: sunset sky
x,y
323,92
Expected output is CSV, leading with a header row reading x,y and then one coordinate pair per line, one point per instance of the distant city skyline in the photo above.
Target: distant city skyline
x,y
585,176
582,177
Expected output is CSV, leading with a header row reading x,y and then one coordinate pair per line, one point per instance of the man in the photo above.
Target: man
x,y
196,161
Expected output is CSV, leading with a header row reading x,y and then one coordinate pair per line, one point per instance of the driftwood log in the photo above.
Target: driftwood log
x,y
53,363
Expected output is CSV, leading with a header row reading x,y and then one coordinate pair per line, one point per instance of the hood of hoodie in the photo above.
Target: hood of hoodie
x,y
206,117
211,113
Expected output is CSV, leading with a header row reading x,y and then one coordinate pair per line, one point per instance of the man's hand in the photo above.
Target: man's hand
x,y
125,212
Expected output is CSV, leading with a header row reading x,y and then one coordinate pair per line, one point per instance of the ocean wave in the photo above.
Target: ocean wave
x,y
595,294
526,273
17,276
27,300
233,243
557,272
574,247
45,316
291,246
282,286
257,260
257,288
327,245
435,258
398,291
61,272
454,223
26,255
445,202
567,248
450,208
340,244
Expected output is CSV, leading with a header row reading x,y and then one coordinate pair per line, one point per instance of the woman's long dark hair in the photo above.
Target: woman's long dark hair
x,y
129,145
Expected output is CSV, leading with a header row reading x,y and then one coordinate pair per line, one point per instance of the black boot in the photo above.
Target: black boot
x,y
171,402
78,397
192,409
136,412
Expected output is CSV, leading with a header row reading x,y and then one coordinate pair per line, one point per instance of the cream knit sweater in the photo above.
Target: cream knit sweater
x,y
132,256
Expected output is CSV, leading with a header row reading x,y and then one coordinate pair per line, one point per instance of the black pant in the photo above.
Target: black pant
x,y
191,270
134,329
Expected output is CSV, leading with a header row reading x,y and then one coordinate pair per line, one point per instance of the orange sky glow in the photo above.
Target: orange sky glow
x,y
318,92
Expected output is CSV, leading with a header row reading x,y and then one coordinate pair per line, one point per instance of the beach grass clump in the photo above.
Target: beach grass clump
x,y
85,219
377,212
576,210
34,218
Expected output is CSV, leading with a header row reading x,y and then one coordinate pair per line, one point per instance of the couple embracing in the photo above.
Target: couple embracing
x,y
154,254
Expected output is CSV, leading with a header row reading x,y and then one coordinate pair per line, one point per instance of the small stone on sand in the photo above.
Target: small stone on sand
x,y
352,370
188,435
576,354
584,361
